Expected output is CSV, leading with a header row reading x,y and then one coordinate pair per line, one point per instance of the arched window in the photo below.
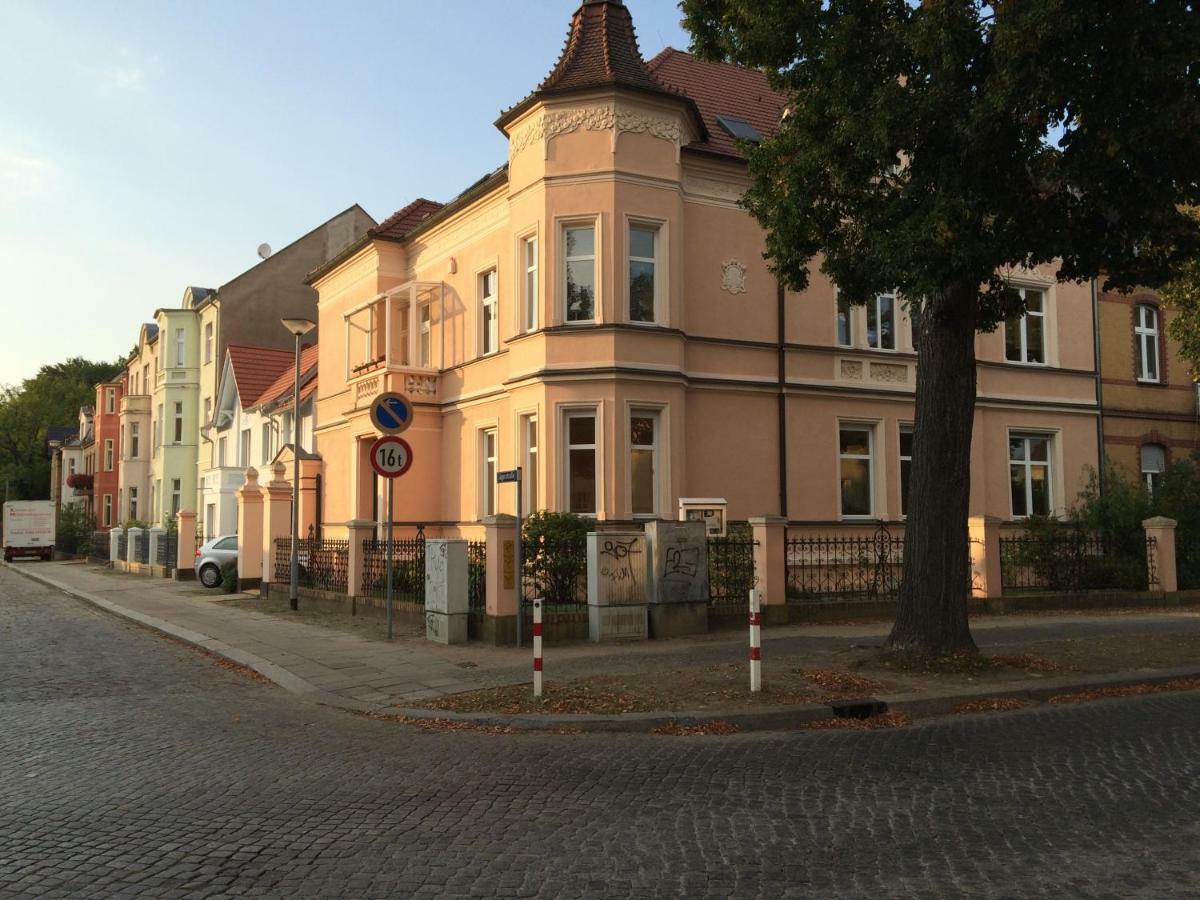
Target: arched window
x,y
1154,463
1145,333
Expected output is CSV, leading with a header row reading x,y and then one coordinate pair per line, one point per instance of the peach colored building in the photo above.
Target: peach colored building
x,y
598,312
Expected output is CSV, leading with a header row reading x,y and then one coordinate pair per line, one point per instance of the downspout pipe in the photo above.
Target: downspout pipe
x,y
1099,386
781,296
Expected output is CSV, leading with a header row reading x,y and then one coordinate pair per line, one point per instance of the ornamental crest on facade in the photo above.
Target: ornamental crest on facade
x,y
733,277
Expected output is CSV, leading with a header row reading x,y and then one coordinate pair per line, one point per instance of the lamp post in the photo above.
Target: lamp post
x,y
299,328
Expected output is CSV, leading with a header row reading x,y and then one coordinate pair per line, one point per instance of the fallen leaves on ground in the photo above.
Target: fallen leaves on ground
x,y
441,724
962,663
840,684
238,669
678,729
1128,690
991,704
883,720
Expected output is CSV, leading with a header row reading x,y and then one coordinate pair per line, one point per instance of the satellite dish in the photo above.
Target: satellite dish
x,y
264,250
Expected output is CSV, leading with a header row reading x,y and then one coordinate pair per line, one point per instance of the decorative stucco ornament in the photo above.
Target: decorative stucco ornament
x,y
733,277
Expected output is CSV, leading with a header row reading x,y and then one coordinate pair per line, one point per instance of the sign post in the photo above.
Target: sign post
x,y
513,476
391,457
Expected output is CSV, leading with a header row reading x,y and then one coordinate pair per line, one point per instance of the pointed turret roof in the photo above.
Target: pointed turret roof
x,y
601,51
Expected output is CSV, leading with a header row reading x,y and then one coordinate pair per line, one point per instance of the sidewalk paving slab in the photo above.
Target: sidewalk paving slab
x,y
359,674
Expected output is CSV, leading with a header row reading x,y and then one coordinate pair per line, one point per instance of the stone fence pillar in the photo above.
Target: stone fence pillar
x,y
358,531
185,550
277,520
250,532
770,566
984,535
500,616
114,544
1162,530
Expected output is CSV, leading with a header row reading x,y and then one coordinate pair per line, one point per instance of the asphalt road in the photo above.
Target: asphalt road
x,y
130,765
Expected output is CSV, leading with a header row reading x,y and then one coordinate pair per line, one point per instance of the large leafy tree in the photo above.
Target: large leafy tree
x,y
52,397
932,148
1182,292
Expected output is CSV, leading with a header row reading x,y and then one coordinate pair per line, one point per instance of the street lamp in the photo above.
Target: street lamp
x,y
299,328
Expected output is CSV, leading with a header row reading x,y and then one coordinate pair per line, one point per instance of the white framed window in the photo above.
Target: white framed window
x,y
108,455
133,502
881,322
222,451
110,400
208,410
906,445
579,272
178,423
581,461
108,520
176,496
267,436
70,467
856,469
425,336
158,428
845,322
643,461
244,448
1025,336
487,458
1145,334
210,521
208,342
1154,464
643,272
1029,474
135,440
529,283
489,341
529,462
146,378
179,348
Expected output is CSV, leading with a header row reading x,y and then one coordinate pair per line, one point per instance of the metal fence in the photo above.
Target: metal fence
x,y
323,564
866,567
477,576
141,553
731,575
123,546
167,550
1070,560
408,569
98,547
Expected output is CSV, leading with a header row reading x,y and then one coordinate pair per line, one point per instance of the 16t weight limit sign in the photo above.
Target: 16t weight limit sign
x,y
391,456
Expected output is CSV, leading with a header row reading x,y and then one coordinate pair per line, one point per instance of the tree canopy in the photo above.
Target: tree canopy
x,y
52,397
934,148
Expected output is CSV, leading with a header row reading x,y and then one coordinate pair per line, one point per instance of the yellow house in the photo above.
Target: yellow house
x,y
598,312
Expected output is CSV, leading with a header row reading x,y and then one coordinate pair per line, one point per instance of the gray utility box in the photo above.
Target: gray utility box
x,y
678,586
617,576
446,602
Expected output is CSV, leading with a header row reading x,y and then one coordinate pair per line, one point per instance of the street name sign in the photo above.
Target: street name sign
x,y
512,475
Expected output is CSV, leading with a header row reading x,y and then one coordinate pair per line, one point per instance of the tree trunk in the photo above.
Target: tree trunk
x,y
931,615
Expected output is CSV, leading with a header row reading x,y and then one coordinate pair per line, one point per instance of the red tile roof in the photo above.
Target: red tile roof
x,y
401,222
281,387
255,369
720,89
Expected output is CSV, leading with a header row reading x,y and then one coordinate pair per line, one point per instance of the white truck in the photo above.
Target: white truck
x,y
28,529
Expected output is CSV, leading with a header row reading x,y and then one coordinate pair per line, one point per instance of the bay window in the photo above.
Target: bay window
x,y
529,283
581,462
643,461
643,274
529,462
579,259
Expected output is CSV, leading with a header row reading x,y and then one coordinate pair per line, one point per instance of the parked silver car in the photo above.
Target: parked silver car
x,y
211,556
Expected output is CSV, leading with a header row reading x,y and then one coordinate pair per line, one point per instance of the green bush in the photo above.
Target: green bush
x,y
229,577
1178,498
554,555
73,531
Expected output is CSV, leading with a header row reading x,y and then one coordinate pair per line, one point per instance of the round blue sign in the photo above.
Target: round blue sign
x,y
391,413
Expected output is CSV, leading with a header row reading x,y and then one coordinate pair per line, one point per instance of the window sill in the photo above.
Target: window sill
x,y
1028,365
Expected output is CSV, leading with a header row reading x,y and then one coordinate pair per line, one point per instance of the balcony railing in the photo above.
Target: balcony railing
x,y
388,334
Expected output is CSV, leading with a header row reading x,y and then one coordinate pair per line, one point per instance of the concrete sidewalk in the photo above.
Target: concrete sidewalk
x,y
360,673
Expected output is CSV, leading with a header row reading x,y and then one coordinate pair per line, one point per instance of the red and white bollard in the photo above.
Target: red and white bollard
x,y
755,643
537,648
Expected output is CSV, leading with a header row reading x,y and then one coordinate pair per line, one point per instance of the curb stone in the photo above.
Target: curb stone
x,y
778,718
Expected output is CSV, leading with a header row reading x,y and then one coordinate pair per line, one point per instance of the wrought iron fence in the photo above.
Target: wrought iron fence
x,y
408,569
864,567
167,550
141,552
1069,559
731,575
324,564
477,576
123,546
98,547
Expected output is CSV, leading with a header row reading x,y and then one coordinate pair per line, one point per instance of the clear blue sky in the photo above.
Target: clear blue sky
x,y
146,146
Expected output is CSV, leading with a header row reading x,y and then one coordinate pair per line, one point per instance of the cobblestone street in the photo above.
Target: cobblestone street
x,y
133,765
